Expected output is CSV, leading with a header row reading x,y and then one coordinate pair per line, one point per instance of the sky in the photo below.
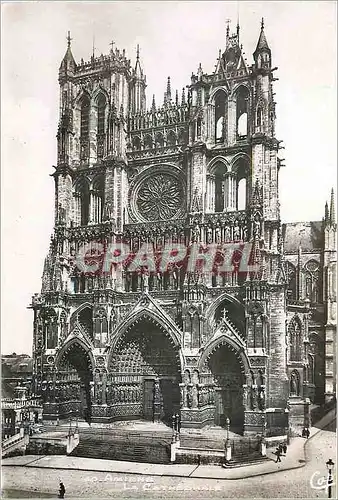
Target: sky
x,y
174,37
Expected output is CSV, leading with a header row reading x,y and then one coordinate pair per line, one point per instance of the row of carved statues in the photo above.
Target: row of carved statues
x,y
192,395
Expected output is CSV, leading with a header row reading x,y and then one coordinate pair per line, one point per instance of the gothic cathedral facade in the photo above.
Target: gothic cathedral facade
x,y
203,169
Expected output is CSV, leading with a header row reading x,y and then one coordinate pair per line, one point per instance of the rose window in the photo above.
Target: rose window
x,y
160,197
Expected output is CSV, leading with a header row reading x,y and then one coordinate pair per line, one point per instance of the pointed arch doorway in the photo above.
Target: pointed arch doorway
x,y
75,373
145,374
224,370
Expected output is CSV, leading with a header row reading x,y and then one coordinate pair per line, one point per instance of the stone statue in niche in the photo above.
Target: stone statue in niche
x,y
209,235
218,235
257,227
261,399
190,396
245,396
227,233
253,398
196,233
293,385
236,231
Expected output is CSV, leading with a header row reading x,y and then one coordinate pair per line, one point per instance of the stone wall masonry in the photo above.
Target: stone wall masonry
x,y
65,196
278,387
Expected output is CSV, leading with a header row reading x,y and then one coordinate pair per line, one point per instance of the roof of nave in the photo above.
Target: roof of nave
x,y
308,235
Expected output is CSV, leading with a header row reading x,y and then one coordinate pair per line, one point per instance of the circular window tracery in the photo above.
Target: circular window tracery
x,y
159,197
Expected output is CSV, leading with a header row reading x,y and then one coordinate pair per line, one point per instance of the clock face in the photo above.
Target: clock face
x,y
160,197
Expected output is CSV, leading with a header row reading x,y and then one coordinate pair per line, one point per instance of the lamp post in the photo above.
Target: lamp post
x,y
227,443
227,423
330,466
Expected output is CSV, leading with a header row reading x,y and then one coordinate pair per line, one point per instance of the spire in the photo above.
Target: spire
x,y
327,216
199,72
168,90
138,69
68,63
176,98
153,105
69,39
262,42
183,97
332,209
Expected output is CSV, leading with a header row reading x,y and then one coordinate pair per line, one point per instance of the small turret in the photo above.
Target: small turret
x,y
68,64
332,209
262,54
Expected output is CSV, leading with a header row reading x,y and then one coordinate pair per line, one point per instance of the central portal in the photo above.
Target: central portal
x,y
146,362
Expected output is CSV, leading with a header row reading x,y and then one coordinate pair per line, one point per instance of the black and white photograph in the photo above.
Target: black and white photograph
x,y
169,249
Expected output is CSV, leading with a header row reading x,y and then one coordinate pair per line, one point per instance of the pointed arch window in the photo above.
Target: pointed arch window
x,y
101,118
242,100
295,339
81,203
159,141
241,169
220,187
84,128
85,319
291,291
220,116
97,200
171,139
148,142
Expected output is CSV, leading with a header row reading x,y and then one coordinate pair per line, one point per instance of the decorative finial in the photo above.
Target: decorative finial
x,y
262,23
228,27
332,208
183,97
69,39
138,52
112,43
93,46
176,98
168,89
327,216
153,105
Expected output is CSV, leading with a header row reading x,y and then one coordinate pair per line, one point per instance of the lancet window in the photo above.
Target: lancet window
x,y
242,100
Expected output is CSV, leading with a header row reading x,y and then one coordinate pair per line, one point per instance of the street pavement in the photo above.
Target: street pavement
x,y
301,474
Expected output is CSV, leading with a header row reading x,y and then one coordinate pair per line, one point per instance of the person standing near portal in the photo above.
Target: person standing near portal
x,y
62,490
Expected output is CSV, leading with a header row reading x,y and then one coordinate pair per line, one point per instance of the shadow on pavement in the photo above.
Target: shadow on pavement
x,y
26,494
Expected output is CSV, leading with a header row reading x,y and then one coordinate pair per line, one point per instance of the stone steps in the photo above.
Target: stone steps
x,y
117,448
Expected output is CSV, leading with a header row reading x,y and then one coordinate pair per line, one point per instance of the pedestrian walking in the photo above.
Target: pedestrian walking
x,y
307,434
278,453
62,490
303,433
285,448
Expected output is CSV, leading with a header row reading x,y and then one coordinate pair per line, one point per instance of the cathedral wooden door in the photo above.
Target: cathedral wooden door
x,y
170,398
148,399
